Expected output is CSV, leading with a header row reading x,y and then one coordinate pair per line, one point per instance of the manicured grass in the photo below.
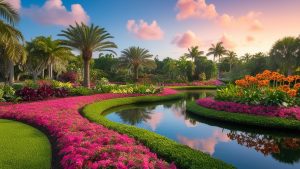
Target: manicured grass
x,y
171,151
192,87
22,147
244,119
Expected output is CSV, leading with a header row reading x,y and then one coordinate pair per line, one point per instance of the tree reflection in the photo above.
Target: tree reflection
x,y
283,149
136,116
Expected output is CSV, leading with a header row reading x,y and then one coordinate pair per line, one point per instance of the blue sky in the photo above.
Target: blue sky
x,y
243,26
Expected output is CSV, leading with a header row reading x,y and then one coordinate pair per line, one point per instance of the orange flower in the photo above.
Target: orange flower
x,y
284,88
292,92
262,83
297,86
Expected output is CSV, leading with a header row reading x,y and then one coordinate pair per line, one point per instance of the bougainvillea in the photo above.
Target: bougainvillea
x,y
83,144
276,111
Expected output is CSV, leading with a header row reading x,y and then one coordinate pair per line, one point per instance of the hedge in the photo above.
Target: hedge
x,y
244,119
183,156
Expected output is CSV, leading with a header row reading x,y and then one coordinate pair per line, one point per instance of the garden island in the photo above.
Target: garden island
x,y
96,85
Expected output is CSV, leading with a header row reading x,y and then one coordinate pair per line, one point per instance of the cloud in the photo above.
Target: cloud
x,y
228,41
15,3
250,21
195,9
53,12
145,31
155,120
186,40
206,145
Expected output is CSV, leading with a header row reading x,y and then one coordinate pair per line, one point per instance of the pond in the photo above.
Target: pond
x,y
244,147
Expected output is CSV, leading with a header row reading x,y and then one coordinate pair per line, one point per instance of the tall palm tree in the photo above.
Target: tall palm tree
x,y
194,53
136,58
231,58
87,39
285,54
217,51
11,48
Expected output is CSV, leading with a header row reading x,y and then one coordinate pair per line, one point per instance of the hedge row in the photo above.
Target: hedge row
x,y
244,119
171,151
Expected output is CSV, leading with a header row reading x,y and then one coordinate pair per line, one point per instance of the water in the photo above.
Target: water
x,y
244,147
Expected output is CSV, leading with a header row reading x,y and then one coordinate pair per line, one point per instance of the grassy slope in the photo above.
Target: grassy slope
x,y
171,151
245,119
23,146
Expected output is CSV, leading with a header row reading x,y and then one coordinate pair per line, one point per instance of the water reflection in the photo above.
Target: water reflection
x,y
235,144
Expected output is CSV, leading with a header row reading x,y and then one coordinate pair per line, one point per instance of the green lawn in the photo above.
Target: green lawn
x,y
23,147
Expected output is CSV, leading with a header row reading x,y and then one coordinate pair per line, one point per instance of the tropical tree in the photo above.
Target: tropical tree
x,y
246,57
136,58
217,51
87,39
285,54
232,57
12,50
194,53
56,54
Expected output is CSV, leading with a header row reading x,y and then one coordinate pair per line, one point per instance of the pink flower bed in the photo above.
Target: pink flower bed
x,y
197,83
83,144
233,107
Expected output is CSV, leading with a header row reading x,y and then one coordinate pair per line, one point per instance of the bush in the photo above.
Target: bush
x,y
57,84
70,76
28,94
80,91
7,93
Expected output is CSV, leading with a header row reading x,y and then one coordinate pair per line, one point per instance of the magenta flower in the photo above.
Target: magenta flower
x,y
83,144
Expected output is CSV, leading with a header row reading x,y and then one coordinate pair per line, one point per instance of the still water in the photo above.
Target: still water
x,y
244,147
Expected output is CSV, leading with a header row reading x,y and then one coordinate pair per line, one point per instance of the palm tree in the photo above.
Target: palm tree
x,y
231,58
136,58
246,57
54,52
194,53
87,39
11,48
285,54
217,51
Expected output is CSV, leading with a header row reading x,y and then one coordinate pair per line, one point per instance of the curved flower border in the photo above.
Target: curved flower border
x,y
273,111
83,144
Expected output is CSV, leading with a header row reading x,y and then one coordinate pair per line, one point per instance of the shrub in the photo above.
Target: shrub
x,y
57,84
80,91
7,93
1,95
70,76
28,94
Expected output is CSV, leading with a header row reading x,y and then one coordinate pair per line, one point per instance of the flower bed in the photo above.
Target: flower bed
x,y
83,144
274,111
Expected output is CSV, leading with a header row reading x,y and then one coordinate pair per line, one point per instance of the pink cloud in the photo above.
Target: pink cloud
x,y
206,145
250,21
155,120
228,41
145,31
53,12
186,40
15,3
195,9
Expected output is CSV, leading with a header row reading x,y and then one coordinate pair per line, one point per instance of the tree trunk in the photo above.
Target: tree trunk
x,y
43,73
136,73
50,71
35,76
86,69
11,78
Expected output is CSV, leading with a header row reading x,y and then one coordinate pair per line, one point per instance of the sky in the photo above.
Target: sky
x,y
168,27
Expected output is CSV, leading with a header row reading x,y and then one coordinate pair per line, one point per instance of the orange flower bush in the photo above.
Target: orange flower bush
x,y
287,84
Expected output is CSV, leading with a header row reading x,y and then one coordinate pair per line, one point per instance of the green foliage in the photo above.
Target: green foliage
x,y
81,91
7,93
255,96
183,156
244,119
